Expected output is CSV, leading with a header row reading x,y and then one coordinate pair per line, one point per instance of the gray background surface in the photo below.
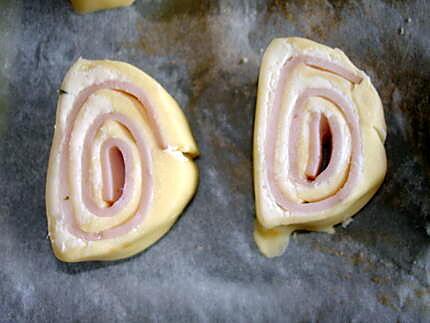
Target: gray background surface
x,y
207,268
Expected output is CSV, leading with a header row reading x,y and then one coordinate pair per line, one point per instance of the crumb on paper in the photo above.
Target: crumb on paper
x,y
346,222
243,60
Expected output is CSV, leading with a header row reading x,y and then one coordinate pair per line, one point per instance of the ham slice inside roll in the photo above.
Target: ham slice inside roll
x,y
318,141
121,168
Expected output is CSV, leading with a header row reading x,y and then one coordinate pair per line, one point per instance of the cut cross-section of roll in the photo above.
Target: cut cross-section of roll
x,y
318,141
121,168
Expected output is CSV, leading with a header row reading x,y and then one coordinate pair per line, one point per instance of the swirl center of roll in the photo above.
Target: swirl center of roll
x,y
113,170
109,152
322,152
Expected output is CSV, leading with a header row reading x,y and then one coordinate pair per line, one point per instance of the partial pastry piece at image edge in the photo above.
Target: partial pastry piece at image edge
x,y
319,138
88,6
121,167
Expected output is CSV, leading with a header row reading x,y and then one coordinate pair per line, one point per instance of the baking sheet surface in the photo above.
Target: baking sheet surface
x,y
207,268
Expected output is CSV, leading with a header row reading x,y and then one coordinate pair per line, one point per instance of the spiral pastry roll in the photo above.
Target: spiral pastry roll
x,y
318,141
121,168
86,6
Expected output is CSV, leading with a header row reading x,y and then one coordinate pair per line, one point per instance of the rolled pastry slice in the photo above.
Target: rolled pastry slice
x,y
318,141
121,168
86,6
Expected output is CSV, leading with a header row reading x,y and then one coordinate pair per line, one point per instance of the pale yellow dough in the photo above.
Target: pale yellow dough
x,y
86,6
175,173
274,225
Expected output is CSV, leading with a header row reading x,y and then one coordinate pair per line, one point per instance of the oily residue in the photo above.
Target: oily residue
x,y
385,300
167,10
178,31
380,280
315,20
